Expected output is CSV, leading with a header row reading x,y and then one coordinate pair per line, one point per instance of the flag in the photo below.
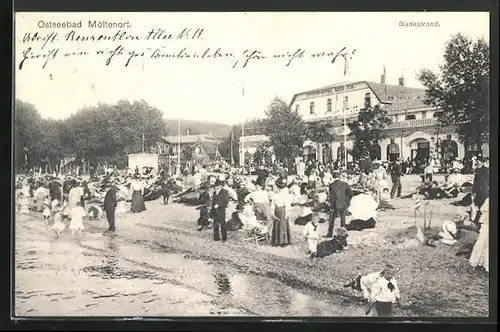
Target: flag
x,y
384,70
417,203
243,91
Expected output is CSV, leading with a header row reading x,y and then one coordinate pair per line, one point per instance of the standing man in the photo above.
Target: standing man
x,y
110,203
481,186
219,204
340,198
396,173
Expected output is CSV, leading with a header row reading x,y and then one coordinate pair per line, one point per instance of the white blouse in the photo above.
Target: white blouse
x,y
258,196
283,199
137,185
381,292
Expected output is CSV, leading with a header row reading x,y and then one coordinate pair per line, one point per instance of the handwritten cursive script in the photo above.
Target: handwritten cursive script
x,y
122,47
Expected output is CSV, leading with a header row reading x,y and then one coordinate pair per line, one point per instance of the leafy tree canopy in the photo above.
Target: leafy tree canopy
x,y
461,89
367,129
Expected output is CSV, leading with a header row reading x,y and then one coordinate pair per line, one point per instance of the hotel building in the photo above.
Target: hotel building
x,y
414,132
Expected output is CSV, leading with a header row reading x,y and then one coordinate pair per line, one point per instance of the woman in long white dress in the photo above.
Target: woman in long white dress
x,y
480,252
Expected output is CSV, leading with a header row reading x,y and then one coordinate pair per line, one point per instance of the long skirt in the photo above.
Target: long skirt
x,y
39,202
480,252
138,204
263,211
280,235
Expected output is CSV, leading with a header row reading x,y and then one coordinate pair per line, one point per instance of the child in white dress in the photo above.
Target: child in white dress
x,y
76,224
23,204
311,235
46,211
58,226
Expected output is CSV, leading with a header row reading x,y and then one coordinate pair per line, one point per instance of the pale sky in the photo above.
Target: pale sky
x,y
211,89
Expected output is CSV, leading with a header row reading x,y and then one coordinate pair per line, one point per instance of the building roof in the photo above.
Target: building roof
x,y
398,97
395,97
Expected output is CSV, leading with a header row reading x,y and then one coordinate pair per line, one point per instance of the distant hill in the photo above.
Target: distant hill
x,y
196,127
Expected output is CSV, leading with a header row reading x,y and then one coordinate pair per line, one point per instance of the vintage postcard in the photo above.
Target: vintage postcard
x,y
274,164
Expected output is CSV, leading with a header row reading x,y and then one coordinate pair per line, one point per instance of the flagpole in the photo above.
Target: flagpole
x,y
232,138
345,112
242,131
179,144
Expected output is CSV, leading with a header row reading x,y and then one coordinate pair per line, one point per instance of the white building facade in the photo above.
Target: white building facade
x,y
414,133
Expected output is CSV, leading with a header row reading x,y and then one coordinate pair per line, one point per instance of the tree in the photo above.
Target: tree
x,y
286,131
461,90
28,134
112,130
367,129
262,154
225,146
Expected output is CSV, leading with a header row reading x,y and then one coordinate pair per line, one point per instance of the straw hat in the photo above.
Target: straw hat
x,y
281,183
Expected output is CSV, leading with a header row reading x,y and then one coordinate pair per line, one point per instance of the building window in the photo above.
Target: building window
x,y
410,117
346,102
311,107
424,114
329,105
297,108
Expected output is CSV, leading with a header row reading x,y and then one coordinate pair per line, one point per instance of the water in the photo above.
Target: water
x,y
107,276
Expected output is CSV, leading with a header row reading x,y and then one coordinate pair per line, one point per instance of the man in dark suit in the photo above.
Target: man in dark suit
x,y
55,190
481,186
220,201
110,202
340,198
396,173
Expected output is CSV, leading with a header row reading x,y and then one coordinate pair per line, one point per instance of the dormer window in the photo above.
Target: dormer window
x,y
329,105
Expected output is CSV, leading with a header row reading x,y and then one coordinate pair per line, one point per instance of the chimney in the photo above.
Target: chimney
x,y
188,131
402,79
382,77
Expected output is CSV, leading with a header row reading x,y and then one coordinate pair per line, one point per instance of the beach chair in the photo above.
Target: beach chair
x,y
259,235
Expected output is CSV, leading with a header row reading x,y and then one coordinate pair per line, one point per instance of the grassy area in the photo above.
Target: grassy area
x,y
433,281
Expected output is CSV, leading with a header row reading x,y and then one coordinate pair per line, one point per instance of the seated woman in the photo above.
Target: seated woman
x,y
384,203
249,219
363,210
337,244
434,191
235,222
453,184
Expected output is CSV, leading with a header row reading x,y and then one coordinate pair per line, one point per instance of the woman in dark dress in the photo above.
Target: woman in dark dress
x,y
137,188
282,202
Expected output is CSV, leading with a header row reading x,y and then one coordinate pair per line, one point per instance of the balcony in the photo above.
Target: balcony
x,y
413,123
